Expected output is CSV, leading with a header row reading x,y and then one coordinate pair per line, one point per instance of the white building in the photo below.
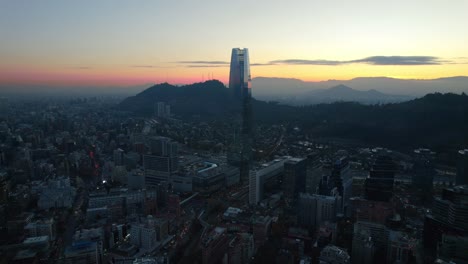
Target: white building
x,y
261,175
144,234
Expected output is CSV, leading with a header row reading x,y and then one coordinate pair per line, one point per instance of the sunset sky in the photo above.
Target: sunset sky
x,y
112,42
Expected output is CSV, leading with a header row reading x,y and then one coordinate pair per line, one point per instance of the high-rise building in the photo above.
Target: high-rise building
x,y
452,207
173,204
208,178
363,252
163,146
119,157
400,247
262,175
449,217
241,248
424,172
162,162
144,234
371,211
378,233
315,172
95,235
214,245
295,171
82,252
239,74
316,209
453,248
462,167
379,184
261,230
341,178
162,110
240,85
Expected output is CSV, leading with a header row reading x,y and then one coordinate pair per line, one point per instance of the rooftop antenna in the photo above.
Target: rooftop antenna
x,y
203,77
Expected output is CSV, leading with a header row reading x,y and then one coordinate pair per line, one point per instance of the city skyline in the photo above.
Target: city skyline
x,y
217,131
120,44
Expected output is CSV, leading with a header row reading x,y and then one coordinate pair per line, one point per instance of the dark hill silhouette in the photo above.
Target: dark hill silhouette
x,y
208,99
433,120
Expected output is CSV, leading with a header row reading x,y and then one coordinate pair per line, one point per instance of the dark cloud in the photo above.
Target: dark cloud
x,y
374,60
400,60
260,64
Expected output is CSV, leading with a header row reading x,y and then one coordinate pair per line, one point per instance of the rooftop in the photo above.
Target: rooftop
x,y
463,152
80,247
213,235
37,239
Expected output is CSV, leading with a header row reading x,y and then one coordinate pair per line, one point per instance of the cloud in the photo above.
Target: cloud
x,y
260,64
204,62
143,66
147,66
400,60
205,66
213,64
373,60
307,62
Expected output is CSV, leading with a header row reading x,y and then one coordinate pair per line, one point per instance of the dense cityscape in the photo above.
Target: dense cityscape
x,y
82,181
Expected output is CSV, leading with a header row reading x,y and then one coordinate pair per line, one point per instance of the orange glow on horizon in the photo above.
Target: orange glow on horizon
x,y
129,76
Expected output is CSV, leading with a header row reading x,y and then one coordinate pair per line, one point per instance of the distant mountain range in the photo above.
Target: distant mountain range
x,y
283,89
342,93
291,91
435,120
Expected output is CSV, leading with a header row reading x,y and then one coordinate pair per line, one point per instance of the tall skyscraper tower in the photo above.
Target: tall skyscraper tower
x,y
379,184
239,74
423,172
240,85
295,171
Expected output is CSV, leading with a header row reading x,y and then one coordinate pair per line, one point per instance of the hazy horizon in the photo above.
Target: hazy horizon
x,y
118,43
